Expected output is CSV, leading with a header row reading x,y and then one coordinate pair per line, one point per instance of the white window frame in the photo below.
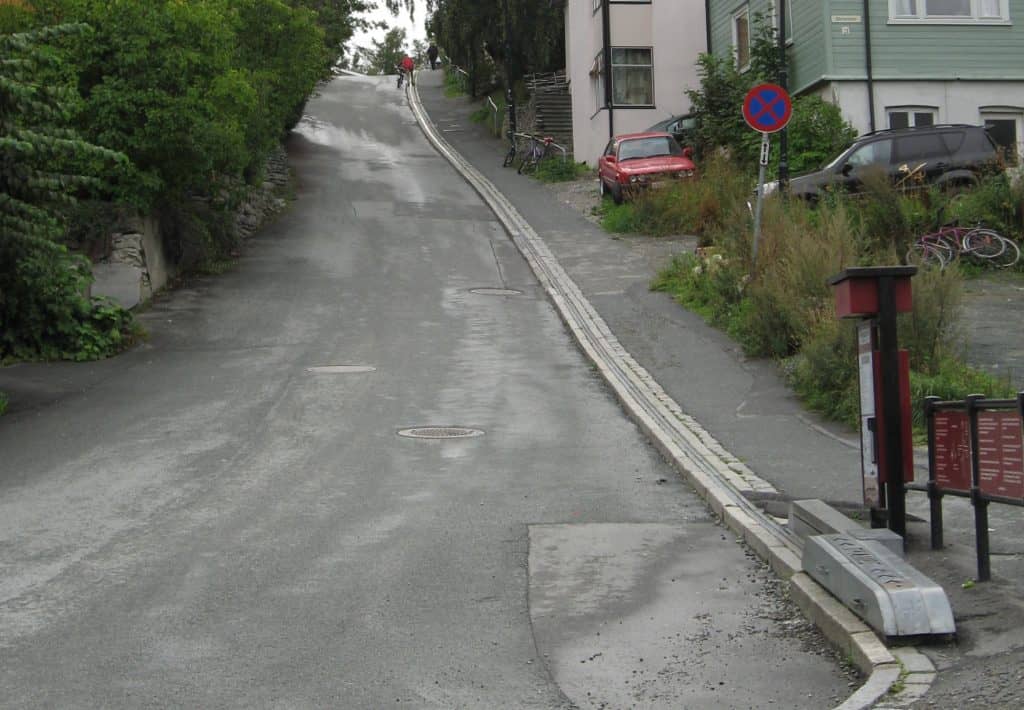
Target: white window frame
x,y
1007,113
741,12
910,111
897,16
789,19
597,80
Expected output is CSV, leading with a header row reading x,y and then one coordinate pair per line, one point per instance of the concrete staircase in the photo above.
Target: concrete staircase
x,y
553,108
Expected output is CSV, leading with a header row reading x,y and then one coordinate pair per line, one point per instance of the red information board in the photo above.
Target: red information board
x,y
952,451
1000,460
907,458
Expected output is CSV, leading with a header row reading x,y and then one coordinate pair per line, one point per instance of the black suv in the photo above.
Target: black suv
x,y
949,156
683,129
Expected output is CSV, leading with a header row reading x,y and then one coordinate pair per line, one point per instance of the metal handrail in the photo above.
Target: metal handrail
x,y
494,110
463,79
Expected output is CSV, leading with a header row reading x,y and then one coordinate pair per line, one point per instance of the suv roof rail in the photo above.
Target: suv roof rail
x,y
911,129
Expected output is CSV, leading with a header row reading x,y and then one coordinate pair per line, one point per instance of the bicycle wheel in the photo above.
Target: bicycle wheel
x,y
928,253
1010,256
510,156
529,163
984,243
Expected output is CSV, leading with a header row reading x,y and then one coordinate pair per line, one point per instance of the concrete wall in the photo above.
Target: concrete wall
x,y
674,29
138,265
954,101
159,269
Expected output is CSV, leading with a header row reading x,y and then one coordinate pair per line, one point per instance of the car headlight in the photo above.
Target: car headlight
x,y
684,174
634,179
771,188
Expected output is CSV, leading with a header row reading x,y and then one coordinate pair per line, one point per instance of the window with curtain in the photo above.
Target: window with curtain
x,y
949,10
632,76
906,117
741,37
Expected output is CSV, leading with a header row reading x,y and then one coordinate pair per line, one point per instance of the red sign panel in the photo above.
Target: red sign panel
x,y
1000,460
952,449
907,437
767,108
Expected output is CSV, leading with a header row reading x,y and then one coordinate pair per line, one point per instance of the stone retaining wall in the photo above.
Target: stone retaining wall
x,y
139,263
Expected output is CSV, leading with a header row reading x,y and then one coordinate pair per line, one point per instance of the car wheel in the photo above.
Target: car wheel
x,y
601,189
617,197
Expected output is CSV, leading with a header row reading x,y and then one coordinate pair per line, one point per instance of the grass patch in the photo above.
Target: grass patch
x,y
619,219
454,84
3,403
485,115
481,115
558,170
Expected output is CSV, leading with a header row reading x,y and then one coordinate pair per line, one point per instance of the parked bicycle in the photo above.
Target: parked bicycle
x,y
513,151
536,150
947,244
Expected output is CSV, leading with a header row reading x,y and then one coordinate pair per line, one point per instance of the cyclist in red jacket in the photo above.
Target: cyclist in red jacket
x,y
405,68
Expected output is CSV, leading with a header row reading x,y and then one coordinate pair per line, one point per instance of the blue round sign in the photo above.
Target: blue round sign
x,y
767,108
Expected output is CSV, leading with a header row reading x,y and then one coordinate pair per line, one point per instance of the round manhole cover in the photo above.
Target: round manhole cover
x,y
496,291
440,432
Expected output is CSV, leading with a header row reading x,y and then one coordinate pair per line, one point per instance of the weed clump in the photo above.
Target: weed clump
x,y
781,307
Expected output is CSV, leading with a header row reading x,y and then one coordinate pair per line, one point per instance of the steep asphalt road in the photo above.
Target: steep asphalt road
x,y
207,522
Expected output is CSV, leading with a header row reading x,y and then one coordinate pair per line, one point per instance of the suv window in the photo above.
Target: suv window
x,y
920,146
954,140
874,153
979,142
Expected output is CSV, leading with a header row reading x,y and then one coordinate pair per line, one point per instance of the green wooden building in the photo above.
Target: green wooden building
x,y
896,63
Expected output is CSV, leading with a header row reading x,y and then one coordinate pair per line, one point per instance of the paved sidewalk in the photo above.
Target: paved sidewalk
x,y
746,405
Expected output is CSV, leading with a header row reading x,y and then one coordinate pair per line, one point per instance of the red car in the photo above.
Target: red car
x,y
635,161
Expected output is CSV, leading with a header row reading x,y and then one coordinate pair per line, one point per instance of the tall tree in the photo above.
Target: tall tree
x,y
387,53
339,20
466,29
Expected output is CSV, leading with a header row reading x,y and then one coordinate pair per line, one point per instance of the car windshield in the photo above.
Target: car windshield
x,y
648,148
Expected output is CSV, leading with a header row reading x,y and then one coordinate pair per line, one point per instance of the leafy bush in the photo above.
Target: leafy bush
x,y
817,133
196,94
817,130
44,312
998,203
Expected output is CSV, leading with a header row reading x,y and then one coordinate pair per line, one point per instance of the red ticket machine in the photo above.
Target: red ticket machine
x,y
875,295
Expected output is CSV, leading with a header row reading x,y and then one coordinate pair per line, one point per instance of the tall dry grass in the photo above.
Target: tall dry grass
x,y
782,306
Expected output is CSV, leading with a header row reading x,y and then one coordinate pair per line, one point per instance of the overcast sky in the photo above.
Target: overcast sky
x,y
413,30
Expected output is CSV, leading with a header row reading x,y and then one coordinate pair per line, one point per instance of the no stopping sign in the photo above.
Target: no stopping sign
x,y
767,108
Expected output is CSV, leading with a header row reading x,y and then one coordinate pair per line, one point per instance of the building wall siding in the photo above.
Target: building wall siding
x,y
808,54
675,31
824,49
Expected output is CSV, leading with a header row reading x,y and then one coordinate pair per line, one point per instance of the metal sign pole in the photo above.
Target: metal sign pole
x,y
765,148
